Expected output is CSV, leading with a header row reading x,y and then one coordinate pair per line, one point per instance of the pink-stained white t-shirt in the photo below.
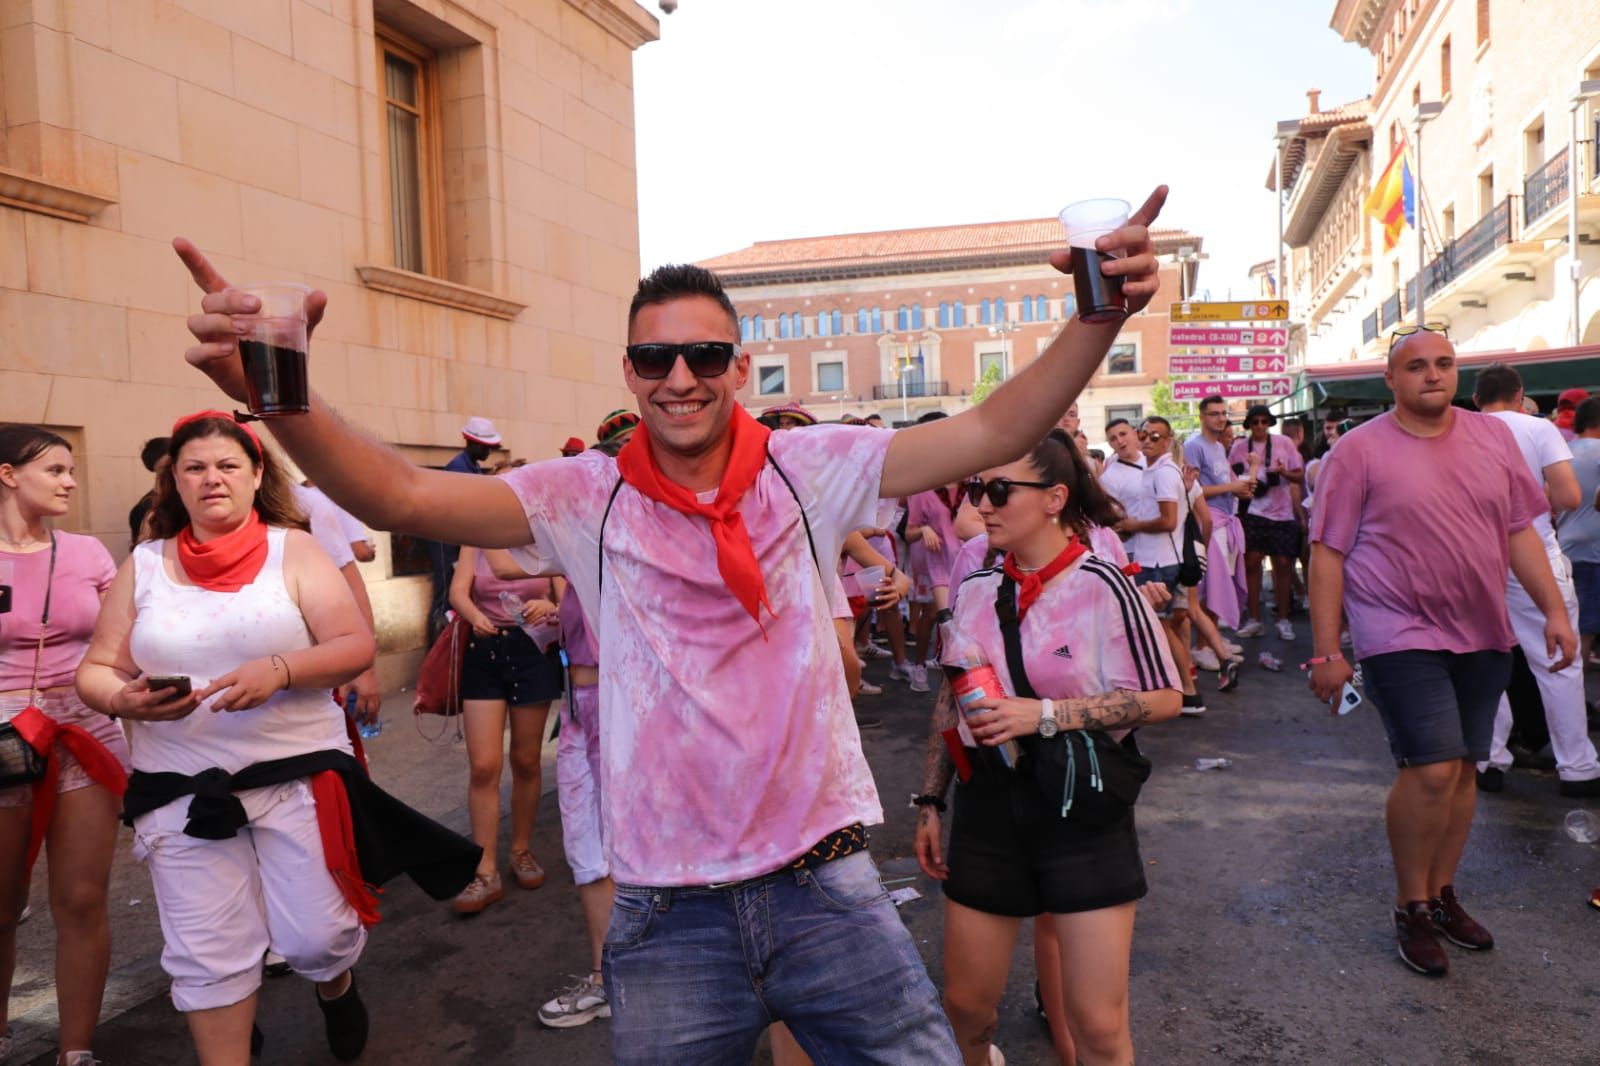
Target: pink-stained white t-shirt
x,y
1422,523
927,509
83,573
1089,632
724,755
1278,503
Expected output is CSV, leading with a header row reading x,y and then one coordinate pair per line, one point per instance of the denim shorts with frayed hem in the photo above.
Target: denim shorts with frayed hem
x,y
1437,705
1586,584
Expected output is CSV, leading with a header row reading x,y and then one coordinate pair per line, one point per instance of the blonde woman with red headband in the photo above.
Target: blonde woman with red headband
x,y
219,641
50,589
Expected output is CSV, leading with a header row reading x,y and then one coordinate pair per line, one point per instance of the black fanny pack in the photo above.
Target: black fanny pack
x,y
1094,779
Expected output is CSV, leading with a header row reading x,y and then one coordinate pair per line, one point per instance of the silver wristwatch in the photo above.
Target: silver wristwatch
x,y
1047,720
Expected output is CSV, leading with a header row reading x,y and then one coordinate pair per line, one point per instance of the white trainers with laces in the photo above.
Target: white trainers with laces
x,y
578,1004
919,679
1285,629
1206,659
1234,650
875,651
1252,628
867,688
900,672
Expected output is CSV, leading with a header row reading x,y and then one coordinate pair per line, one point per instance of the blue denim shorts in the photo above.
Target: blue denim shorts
x,y
1586,584
1437,705
694,975
1168,576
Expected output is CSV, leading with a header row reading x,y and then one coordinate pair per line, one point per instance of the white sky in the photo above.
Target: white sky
x,y
760,120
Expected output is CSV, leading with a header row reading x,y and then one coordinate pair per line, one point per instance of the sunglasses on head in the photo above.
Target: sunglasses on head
x,y
999,489
1406,331
705,359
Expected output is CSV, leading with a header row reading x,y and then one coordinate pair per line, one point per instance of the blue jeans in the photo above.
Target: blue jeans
x,y
695,974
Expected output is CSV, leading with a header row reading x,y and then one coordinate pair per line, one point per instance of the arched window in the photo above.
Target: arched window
x,y
1069,304
783,327
958,315
823,324
985,313
1027,309
799,325
916,316
902,317
836,321
877,320
999,310
758,329
863,322
744,328
944,314
1041,308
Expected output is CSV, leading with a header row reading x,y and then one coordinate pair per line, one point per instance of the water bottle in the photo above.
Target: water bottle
x,y
971,676
1213,764
543,634
367,730
1583,826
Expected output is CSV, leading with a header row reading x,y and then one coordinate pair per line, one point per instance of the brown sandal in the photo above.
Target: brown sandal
x,y
526,869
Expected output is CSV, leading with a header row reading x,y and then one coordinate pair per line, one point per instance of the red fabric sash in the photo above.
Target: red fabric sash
x,y
41,732
1031,586
227,563
736,558
339,845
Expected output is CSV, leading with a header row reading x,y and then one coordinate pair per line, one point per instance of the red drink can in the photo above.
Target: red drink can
x,y
982,683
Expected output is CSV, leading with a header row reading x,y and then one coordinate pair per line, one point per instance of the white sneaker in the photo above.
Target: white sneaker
x,y
1234,650
1285,629
875,651
919,679
1252,628
900,672
578,1004
867,688
1206,659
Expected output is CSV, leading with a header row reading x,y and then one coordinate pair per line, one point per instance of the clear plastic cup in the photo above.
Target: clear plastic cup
x,y
1099,295
869,578
273,349
1582,826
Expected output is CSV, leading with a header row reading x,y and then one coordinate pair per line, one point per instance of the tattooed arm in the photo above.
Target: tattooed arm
x,y
1012,717
937,770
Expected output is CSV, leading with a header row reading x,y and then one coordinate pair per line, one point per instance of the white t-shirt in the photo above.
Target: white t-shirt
x,y
1163,481
727,749
325,525
1542,445
353,527
1123,480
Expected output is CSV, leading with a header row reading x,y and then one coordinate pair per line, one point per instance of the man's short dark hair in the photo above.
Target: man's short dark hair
x,y
1587,416
1115,422
931,416
874,416
1497,383
1158,418
1209,400
151,453
675,281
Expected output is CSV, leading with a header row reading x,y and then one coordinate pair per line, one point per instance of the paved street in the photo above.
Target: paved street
x,y
1265,938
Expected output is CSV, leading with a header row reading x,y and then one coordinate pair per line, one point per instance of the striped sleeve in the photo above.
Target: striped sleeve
x,y
1133,652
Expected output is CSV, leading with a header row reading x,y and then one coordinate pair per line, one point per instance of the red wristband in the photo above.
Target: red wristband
x,y
1320,659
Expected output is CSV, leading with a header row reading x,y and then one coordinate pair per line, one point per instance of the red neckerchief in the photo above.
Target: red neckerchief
x,y
736,558
227,563
1031,586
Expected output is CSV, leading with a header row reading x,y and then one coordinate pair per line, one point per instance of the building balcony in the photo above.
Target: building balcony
x,y
1369,328
913,390
1542,192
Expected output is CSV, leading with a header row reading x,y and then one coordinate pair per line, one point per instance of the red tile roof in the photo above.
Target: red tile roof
x,y
854,253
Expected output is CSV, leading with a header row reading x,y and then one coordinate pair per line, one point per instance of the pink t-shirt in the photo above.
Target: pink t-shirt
x,y
83,573
724,755
927,509
575,631
1278,503
486,590
1089,632
1422,523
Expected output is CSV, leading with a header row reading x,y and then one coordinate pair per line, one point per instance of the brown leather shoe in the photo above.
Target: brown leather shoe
x,y
1419,947
480,892
526,869
1456,925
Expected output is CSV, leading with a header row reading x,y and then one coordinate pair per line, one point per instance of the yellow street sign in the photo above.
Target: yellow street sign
x,y
1264,311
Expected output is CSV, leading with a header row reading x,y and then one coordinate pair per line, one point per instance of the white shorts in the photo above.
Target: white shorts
x,y
223,903
578,786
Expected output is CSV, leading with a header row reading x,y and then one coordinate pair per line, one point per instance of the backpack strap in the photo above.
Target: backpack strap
x,y
803,519
600,582
1005,608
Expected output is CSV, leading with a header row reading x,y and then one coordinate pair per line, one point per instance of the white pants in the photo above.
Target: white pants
x,y
578,786
1562,692
223,903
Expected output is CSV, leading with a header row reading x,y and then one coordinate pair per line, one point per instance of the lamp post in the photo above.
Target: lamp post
x,y
1003,330
1587,90
1425,113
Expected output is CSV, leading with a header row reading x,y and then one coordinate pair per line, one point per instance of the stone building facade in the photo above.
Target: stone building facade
x,y
457,175
904,322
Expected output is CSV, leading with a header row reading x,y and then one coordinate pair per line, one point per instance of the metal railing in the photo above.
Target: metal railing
x,y
914,390
1545,188
1369,328
1389,311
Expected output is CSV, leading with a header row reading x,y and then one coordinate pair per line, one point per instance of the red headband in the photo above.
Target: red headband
x,y
224,417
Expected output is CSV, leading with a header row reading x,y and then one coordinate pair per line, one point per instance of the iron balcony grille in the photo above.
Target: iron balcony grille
x,y
914,390
1369,328
1545,188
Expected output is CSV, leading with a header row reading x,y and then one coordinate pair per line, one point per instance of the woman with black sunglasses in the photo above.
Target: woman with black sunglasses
x,y
1021,845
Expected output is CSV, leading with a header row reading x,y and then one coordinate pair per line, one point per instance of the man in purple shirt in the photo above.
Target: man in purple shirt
x,y
1419,513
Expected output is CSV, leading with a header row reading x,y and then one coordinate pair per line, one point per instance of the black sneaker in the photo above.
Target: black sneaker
x,y
1193,706
1418,940
345,1019
1492,780
1580,789
1228,679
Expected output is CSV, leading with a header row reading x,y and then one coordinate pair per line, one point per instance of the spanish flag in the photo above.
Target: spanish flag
x,y
1394,198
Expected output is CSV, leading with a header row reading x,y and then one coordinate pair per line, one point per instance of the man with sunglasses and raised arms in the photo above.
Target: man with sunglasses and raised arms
x,y
735,787
1419,514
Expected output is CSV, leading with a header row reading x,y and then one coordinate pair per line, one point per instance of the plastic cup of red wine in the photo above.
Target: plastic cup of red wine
x,y
1099,295
273,349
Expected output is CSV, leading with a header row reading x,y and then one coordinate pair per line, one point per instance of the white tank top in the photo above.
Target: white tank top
x,y
185,629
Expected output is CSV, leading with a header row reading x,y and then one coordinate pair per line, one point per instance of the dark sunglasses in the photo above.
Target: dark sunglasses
x,y
1406,331
1157,435
999,489
705,359
1259,422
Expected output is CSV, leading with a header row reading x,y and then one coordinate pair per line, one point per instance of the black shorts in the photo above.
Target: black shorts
x,y
1271,537
509,666
1437,705
1010,854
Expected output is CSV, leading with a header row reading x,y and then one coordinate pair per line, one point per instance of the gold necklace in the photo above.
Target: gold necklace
x,y
18,545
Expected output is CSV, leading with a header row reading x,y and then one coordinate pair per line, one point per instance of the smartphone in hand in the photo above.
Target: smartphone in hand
x,y
178,683
1348,700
